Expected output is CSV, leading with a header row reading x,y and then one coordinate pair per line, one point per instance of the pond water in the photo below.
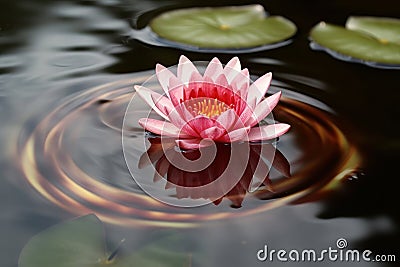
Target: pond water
x,y
67,70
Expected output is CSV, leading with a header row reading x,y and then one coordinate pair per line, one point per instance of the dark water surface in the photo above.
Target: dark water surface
x,y
66,75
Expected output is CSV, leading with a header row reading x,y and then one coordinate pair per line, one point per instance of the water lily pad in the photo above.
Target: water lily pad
x,y
373,40
232,27
80,243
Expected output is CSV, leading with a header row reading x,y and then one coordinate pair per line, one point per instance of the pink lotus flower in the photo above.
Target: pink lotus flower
x,y
219,106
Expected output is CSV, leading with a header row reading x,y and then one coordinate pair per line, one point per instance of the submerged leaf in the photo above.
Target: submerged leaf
x,y
157,254
231,27
365,38
80,243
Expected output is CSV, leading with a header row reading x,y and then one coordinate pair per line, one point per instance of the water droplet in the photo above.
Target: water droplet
x,y
355,175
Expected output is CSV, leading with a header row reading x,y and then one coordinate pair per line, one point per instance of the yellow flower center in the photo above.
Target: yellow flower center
x,y
208,107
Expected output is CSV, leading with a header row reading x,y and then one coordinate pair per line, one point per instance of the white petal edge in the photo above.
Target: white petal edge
x,y
232,69
263,109
214,69
146,95
164,76
259,88
185,69
268,131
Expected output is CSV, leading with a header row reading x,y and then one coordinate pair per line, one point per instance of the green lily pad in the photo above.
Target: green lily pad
x,y
366,39
80,243
232,27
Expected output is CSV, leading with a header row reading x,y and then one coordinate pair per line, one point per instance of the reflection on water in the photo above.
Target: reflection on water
x,y
254,173
67,160
54,128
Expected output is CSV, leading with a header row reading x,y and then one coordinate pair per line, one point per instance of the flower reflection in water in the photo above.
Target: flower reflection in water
x,y
58,175
192,183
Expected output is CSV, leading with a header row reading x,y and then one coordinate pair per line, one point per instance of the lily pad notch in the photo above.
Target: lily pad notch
x,y
222,29
374,41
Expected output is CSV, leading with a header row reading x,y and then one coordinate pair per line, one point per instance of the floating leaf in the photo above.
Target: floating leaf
x,y
80,243
365,38
232,27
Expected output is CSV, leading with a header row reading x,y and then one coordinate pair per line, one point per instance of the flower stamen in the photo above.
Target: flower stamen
x,y
208,107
